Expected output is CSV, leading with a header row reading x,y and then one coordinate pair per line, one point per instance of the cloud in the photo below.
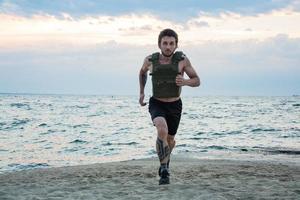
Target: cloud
x,y
102,54
143,29
7,6
47,29
278,54
165,9
249,67
231,68
234,27
199,23
295,5
107,68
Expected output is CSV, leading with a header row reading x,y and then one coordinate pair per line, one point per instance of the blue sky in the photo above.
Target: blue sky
x,y
159,7
97,47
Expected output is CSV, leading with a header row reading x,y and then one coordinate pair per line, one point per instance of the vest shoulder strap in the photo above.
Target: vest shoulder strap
x,y
154,58
178,56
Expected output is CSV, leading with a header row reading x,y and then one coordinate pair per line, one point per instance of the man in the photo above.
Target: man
x,y
167,69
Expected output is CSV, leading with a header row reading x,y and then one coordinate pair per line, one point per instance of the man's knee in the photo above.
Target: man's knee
x,y
162,130
161,126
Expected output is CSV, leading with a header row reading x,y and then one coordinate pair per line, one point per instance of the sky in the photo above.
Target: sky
x,y
98,47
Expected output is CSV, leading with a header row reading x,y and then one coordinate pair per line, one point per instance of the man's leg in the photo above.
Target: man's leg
x,y
171,143
162,148
173,120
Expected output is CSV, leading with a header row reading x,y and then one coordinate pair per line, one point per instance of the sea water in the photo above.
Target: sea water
x,y
62,130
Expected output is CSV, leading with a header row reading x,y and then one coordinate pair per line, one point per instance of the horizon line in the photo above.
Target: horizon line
x,y
187,95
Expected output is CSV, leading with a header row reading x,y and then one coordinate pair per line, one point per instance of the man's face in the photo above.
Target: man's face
x,y
167,46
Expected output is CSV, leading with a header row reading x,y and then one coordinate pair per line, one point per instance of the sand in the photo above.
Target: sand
x,y
138,179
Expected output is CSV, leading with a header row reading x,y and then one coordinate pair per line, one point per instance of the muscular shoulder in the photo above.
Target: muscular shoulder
x,y
147,63
147,59
185,61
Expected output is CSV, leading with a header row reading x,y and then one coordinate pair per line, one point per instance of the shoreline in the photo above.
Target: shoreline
x,y
191,178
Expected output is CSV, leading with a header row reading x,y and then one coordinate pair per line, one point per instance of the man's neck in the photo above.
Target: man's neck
x,y
165,59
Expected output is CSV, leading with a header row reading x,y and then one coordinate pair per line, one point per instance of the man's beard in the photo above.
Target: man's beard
x,y
166,55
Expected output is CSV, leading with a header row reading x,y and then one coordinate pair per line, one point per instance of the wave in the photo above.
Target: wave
x,y
200,138
20,105
78,141
283,151
14,125
78,106
119,143
274,150
17,167
19,122
2,124
265,130
81,125
43,125
215,147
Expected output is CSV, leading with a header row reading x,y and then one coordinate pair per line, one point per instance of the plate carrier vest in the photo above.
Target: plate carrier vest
x,y
164,76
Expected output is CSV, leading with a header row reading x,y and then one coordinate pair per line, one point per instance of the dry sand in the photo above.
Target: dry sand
x,y
138,179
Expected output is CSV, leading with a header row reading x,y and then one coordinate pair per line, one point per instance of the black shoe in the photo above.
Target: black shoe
x,y
164,181
159,170
164,176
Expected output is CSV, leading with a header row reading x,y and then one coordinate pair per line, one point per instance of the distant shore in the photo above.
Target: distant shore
x,y
137,179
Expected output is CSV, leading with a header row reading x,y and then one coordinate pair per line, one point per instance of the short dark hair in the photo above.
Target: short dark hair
x,y
167,32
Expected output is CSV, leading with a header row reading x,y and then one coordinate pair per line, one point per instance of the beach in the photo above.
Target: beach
x,y
68,147
138,179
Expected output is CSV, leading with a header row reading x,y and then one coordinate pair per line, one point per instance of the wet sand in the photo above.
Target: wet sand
x,y
138,179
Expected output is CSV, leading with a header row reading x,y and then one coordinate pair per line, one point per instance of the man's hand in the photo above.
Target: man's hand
x,y
142,103
180,81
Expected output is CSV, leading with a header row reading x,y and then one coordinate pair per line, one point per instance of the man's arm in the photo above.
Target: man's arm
x,y
143,80
193,81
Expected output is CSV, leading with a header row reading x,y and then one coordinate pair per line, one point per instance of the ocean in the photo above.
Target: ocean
x,y
38,131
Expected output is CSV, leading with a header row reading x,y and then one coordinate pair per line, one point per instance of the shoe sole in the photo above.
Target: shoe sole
x,y
164,181
164,178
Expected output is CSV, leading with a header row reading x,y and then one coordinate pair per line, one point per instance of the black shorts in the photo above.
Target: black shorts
x,y
171,111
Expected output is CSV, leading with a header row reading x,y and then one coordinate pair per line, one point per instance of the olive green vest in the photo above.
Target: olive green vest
x,y
164,76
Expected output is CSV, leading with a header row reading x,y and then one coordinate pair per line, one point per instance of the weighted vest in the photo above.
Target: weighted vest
x,y
164,76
